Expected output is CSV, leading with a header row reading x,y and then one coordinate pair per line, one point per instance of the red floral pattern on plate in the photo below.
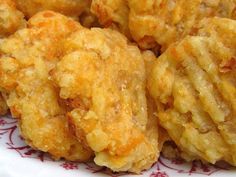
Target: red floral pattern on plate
x,y
10,138
69,166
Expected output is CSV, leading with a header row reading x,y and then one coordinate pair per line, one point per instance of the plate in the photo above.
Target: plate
x,y
19,160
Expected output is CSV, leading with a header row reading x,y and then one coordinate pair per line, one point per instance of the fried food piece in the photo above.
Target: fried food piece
x,y
25,62
103,78
157,24
113,14
71,8
194,86
11,19
160,23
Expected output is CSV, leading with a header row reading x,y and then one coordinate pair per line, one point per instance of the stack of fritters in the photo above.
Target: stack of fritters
x,y
201,125
91,94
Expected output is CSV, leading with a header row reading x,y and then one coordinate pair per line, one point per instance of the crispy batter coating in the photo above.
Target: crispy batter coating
x,y
103,78
25,62
149,60
163,22
77,9
158,23
194,86
67,7
112,13
10,18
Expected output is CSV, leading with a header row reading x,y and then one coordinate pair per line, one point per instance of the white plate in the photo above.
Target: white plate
x,y
19,160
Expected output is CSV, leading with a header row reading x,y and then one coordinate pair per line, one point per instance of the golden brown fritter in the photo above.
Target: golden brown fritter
x,y
157,24
103,78
194,86
77,9
163,22
25,62
112,13
10,18
71,8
